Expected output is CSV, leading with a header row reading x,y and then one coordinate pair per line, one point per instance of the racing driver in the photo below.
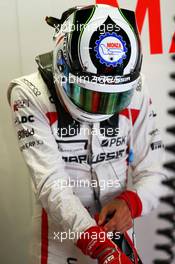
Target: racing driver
x,y
86,128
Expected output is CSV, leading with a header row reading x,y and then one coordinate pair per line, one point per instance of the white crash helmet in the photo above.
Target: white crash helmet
x,y
97,60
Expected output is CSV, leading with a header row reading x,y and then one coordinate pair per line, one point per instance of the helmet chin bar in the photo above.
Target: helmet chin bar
x,y
78,114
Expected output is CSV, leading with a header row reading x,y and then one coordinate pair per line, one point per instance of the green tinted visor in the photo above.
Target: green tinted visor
x,y
98,102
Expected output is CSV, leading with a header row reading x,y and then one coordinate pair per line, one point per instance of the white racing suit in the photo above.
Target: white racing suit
x,y
60,170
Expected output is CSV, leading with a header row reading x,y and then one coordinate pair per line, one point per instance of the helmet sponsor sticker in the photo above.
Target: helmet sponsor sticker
x,y
111,49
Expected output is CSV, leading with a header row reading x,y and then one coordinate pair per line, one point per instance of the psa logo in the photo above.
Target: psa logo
x,y
24,119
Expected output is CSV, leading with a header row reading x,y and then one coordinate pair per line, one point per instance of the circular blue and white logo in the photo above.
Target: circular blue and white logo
x,y
111,49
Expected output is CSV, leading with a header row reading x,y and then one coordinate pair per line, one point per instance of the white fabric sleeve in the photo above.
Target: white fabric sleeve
x,y
147,170
45,163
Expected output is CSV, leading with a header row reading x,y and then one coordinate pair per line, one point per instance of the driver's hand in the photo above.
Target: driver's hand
x,y
118,213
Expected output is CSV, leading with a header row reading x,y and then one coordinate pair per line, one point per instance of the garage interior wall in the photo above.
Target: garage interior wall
x,y
24,35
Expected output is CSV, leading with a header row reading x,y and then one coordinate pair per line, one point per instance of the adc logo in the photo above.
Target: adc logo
x,y
111,49
24,119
